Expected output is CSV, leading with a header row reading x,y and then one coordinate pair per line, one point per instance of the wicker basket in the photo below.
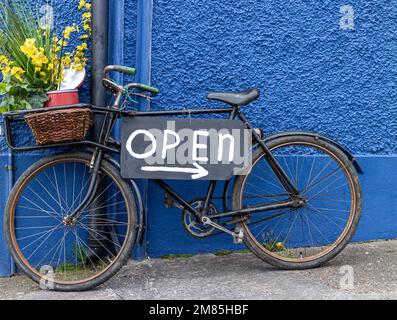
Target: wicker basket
x,y
53,127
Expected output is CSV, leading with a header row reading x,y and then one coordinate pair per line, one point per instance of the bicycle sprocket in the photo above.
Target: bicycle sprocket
x,y
194,227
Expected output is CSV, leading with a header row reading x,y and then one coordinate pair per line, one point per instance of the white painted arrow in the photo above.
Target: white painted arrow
x,y
197,173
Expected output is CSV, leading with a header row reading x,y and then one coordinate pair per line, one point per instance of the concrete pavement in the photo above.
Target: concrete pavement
x,y
362,271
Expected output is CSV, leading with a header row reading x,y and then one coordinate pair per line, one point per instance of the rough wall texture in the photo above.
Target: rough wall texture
x,y
130,26
312,74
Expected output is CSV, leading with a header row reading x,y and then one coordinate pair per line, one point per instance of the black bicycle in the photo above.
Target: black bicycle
x,y
71,220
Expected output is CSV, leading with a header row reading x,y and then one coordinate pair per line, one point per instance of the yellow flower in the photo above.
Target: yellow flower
x,y
62,43
67,61
30,43
56,48
37,55
47,65
78,67
4,60
82,4
67,32
6,70
17,72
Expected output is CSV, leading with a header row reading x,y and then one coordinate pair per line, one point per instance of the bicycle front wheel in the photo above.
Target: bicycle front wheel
x,y
70,257
306,237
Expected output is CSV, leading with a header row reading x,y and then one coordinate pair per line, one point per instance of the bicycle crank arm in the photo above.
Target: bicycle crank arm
x,y
238,237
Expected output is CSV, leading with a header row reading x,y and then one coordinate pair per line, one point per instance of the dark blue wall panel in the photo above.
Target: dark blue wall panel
x,y
5,259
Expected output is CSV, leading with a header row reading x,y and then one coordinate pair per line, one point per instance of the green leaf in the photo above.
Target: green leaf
x,y
7,104
37,100
3,87
3,103
18,91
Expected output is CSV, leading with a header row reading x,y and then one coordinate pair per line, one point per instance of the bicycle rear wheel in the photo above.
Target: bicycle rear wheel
x,y
306,237
70,257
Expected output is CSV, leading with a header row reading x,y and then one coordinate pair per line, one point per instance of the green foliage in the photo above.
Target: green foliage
x,y
80,253
20,96
18,22
222,253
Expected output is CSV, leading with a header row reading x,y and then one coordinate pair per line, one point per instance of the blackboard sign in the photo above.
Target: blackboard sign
x,y
184,149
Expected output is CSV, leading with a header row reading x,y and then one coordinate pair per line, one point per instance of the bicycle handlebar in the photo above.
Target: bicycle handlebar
x,y
143,87
121,69
128,71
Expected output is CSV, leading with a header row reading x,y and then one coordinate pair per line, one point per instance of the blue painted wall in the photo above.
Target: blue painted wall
x,y
312,74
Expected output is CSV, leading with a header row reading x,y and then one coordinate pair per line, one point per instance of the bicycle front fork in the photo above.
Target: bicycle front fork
x,y
92,189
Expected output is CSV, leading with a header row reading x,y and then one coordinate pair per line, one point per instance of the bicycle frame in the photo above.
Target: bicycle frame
x,y
106,144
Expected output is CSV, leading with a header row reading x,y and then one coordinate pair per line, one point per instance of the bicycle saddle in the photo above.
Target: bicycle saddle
x,y
237,99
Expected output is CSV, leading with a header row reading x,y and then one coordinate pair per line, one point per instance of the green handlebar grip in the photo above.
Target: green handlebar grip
x,y
126,70
148,88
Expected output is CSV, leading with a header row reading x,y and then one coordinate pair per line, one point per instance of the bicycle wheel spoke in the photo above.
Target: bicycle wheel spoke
x,y
38,196
60,199
94,233
325,178
42,235
66,187
308,227
38,247
92,263
79,197
49,193
291,225
56,247
52,214
270,218
57,189
36,210
310,183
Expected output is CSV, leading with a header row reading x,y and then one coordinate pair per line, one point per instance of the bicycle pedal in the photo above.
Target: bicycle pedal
x,y
239,236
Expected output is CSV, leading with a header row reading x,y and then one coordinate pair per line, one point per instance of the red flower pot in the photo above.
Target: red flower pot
x,y
62,98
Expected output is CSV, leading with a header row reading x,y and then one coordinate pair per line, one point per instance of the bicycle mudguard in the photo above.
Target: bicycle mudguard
x,y
139,200
317,136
